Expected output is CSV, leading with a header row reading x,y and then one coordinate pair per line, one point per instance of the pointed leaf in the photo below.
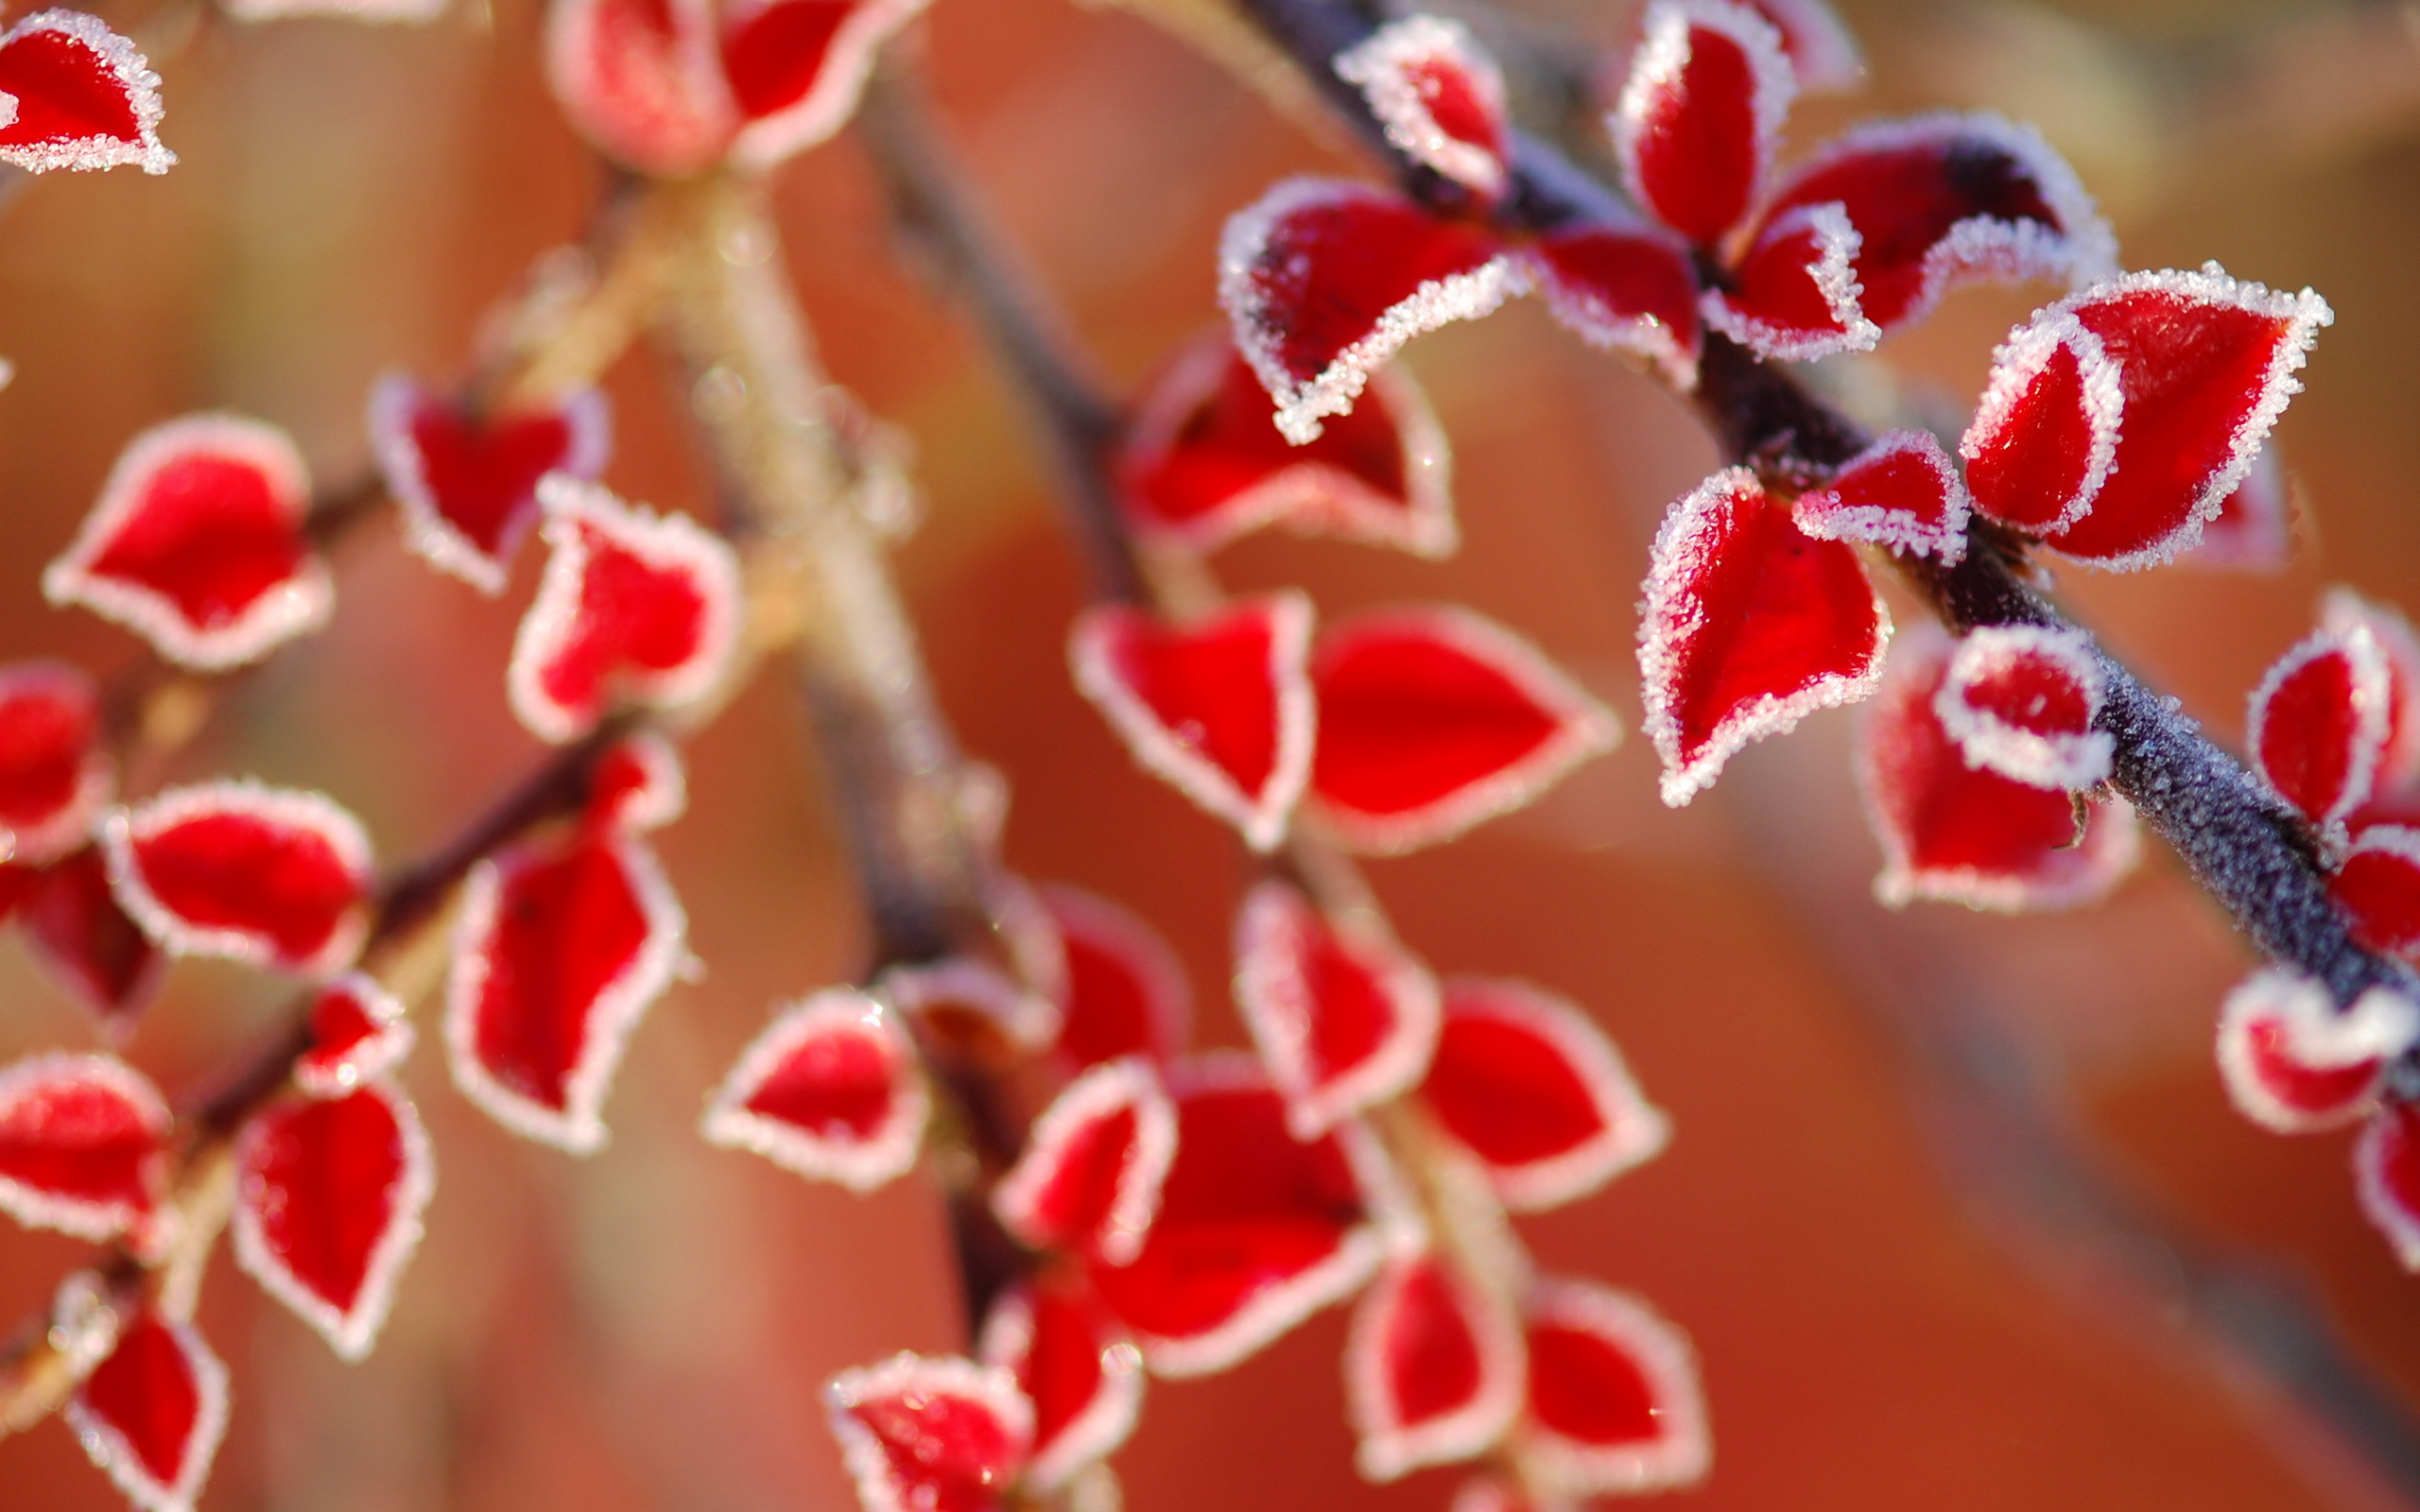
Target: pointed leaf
x,y
1433,1369
152,1414
931,1433
467,479
358,1032
2044,435
796,67
1795,295
1345,1019
1622,288
1438,97
2020,700
2320,721
272,876
1615,1404
642,81
77,930
637,785
83,1144
1697,124
78,95
53,773
831,1091
1089,1181
2296,1064
1076,1364
2342,611
2377,887
1902,492
1126,992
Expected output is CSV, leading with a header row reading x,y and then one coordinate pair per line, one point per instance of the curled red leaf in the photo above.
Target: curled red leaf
x,y
931,1433
830,1090
83,1144
1902,492
54,774
1626,287
637,785
1345,1018
272,876
1697,124
642,81
1794,295
2294,1062
1126,992
2386,1177
1089,1181
89,945
1615,1404
152,1412
1438,97
2044,435
2344,611
1433,1368
2320,721
797,67
75,95
358,1032
1077,1368
468,479
2377,886
2020,700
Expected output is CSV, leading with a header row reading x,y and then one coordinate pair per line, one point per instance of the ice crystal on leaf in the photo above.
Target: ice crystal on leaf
x,y
272,876
358,1032
83,1144
1433,1368
1345,1018
2296,1064
1794,295
467,479
1125,992
2020,700
931,1434
1089,1181
152,1412
1439,98
830,1090
1614,1401
1903,492
1621,287
75,95
1698,123
1075,1363
53,773
2321,722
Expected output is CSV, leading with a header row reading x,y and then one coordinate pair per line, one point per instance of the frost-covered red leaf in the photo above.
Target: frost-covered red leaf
x,y
358,1032
1794,295
1902,492
152,1412
2386,1175
54,774
1433,1368
1615,1404
1697,124
796,67
329,1194
1751,624
467,479
1126,992
1325,281
2321,722
1075,1363
2045,434
931,1433
637,785
1202,465
2294,1062
640,80
1433,720
1951,833
272,876
1622,287
2020,700
72,919
1221,707
1345,1018
1256,1231
1533,1089
830,1090
75,95
1437,96
636,607
83,1144
973,1005
560,947
1090,1178
2254,530
2344,612
2377,887
198,544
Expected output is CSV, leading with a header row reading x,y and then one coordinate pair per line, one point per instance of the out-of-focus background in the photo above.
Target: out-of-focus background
x,y
1956,1212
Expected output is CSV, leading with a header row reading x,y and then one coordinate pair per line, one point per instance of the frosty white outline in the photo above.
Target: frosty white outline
x,y
991,1387
128,829
2063,761
1838,242
1662,1355
1106,1422
397,398
1577,308
1275,998
386,1047
132,73
99,1222
1583,726
664,542
861,1165
1129,1083
2317,1035
597,112
1309,497
1387,1448
352,1332
1263,818
67,827
1379,66
1027,1019
2373,705
296,607
2305,314
1824,513
663,793
1664,618
1437,302
107,1447
2340,609
833,97
1116,932
2016,364
2400,841
1825,56
1664,56
2261,540
613,1016
1633,1130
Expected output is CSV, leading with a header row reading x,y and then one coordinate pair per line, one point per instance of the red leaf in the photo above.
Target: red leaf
x,y
1077,1366
973,1005
1625,288
75,95
83,1144
2296,1064
2253,531
2319,723
1089,1181
1902,492
18,884
1750,625
831,1091
1325,280
1949,200
1221,707
358,1032
1533,1089
1433,1369
2344,611
1202,465
796,67
558,950
1697,124
54,774
2377,887
1126,992
468,479
77,929
2045,434
1438,97
1953,833
272,876
931,1434
1794,296
2020,700
1822,53
1345,1019
636,607
152,1414
2386,1175
1255,1231
637,785
197,544
641,80
2206,365
329,1195
1433,720
1615,1404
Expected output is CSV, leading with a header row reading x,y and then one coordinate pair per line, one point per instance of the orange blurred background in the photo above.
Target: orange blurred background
x,y
1955,1212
